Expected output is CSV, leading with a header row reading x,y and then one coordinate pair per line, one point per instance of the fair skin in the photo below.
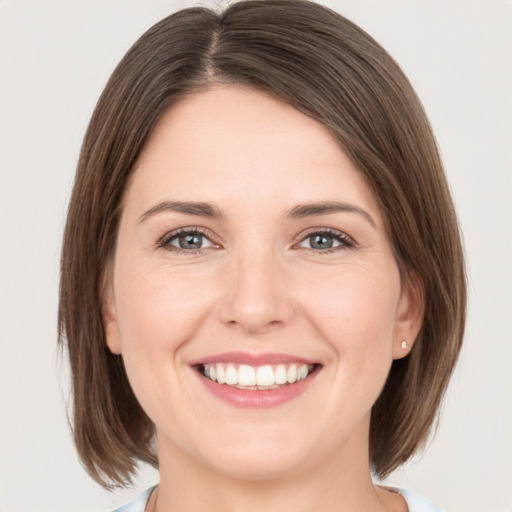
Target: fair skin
x,y
321,287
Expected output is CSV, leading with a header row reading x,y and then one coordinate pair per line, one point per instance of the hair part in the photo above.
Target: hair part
x,y
329,69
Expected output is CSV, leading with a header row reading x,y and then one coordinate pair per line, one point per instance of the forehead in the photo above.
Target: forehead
x,y
230,143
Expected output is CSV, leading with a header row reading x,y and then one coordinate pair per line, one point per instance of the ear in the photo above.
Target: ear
x,y
410,313
108,312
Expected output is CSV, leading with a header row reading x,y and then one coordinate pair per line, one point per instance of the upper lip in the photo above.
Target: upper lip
x,y
239,357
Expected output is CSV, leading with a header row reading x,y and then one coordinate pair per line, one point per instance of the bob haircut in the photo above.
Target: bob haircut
x,y
329,69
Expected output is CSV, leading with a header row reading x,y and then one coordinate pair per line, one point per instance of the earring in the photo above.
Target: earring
x,y
404,344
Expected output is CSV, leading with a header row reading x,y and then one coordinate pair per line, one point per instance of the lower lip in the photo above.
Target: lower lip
x,y
258,399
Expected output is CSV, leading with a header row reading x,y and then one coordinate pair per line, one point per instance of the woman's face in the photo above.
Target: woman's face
x,y
250,247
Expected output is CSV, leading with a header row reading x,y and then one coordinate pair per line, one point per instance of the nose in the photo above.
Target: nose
x,y
258,297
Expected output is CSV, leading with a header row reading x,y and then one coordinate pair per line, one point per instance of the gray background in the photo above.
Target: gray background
x,y
55,57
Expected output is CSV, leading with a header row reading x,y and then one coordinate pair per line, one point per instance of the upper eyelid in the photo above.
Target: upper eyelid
x,y
330,231
167,237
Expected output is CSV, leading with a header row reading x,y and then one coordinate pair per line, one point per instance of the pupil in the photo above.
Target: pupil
x,y
190,241
321,242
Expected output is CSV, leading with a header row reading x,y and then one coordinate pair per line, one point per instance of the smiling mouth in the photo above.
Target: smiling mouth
x,y
256,378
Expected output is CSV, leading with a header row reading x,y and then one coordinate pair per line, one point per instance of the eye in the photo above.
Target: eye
x,y
189,240
326,240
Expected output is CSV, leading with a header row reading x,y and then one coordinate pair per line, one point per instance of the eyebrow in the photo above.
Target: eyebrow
x,y
189,207
326,207
212,211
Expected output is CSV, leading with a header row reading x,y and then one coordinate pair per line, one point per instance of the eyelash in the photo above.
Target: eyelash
x,y
166,240
344,240
164,243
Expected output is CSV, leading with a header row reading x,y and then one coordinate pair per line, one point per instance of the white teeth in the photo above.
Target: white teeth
x,y
221,374
291,375
262,377
280,375
231,375
265,376
246,375
302,372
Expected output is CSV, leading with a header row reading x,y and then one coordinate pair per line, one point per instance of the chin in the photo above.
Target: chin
x,y
258,468
257,459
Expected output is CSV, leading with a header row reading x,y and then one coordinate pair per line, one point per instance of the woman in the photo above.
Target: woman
x,y
262,288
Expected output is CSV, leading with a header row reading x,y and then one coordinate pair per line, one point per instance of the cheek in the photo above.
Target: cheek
x,y
159,308
356,317
356,314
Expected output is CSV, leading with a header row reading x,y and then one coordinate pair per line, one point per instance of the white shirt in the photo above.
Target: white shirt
x,y
415,502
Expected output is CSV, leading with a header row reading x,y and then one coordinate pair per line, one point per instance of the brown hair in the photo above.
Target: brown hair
x,y
328,68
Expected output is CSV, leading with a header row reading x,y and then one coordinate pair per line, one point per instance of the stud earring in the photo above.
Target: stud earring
x,y
404,344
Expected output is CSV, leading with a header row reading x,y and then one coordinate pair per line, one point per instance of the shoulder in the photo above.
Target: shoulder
x,y
138,504
417,503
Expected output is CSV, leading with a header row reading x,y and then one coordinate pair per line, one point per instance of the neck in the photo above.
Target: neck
x,y
343,485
